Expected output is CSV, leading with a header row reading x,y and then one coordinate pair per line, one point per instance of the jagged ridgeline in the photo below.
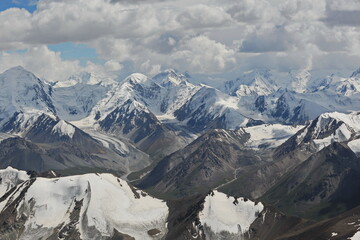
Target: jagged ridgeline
x,y
165,157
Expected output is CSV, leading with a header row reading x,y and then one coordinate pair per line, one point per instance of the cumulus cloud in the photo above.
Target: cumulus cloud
x,y
137,1
248,11
196,54
343,18
271,40
41,61
203,16
49,66
202,36
202,54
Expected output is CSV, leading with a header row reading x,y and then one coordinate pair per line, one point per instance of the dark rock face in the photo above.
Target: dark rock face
x,y
44,93
11,124
199,115
25,155
282,109
120,236
137,123
207,162
322,186
184,218
143,129
42,132
10,225
253,122
147,92
80,99
260,104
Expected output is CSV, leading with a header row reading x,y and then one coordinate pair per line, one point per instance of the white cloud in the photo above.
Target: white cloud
x,y
202,54
202,36
203,16
48,64
41,61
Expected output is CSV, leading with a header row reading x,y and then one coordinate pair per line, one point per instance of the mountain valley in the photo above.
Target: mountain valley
x,y
164,157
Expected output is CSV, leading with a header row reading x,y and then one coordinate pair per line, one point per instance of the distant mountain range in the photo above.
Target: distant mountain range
x,y
90,150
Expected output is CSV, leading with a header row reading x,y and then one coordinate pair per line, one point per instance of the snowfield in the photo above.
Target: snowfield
x,y
270,135
11,177
64,129
356,236
106,203
343,127
355,146
221,214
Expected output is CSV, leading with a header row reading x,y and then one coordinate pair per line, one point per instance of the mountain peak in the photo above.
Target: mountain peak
x,y
170,77
19,75
21,91
16,71
85,77
252,83
17,68
356,73
137,78
259,72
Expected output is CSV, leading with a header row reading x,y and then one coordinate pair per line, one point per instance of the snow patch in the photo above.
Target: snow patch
x,y
64,129
220,213
355,145
356,236
341,134
107,203
270,135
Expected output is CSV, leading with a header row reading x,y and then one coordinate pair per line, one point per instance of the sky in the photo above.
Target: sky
x,y
58,38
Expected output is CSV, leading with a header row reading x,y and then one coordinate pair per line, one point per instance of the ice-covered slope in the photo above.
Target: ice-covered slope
x,y
300,80
21,122
269,135
161,95
10,178
91,206
22,92
354,145
252,83
76,102
305,99
136,108
210,108
176,91
85,78
135,88
346,86
291,107
328,128
229,217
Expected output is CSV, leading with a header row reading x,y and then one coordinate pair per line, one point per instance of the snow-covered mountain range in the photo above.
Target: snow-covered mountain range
x,y
73,208
177,140
161,114
170,97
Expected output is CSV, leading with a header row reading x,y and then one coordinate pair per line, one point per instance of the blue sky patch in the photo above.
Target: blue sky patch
x,y
76,51
29,5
